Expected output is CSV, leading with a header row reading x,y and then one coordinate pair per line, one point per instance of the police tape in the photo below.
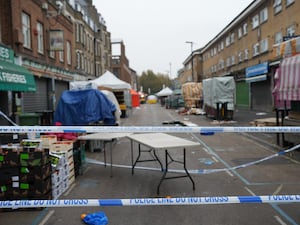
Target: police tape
x,y
15,204
201,171
147,129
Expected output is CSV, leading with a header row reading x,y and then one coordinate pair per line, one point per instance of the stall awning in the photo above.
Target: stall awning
x,y
16,78
287,80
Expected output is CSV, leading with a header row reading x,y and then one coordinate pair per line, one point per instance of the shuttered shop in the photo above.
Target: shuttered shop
x,y
37,101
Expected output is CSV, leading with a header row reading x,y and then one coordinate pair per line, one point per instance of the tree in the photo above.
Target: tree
x,y
153,83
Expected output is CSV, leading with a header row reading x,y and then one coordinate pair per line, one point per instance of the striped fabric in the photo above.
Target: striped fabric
x,y
287,80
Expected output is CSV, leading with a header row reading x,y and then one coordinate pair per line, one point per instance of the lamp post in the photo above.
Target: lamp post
x,y
191,43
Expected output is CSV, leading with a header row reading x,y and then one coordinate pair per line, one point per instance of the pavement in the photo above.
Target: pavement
x,y
280,175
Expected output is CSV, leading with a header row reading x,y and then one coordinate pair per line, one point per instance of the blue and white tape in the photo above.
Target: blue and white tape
x,y
147,129
150,201
202,171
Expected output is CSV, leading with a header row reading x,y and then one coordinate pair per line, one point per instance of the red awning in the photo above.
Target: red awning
x,y
287,80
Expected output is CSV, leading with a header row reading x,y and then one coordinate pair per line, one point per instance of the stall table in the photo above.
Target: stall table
x,y
166,143
105,138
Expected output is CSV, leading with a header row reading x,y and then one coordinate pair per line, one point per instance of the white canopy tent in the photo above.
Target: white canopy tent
x,y
164,92
109,80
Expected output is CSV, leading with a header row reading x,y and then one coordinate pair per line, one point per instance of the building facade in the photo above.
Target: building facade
x,y
244,49
120,62
56,42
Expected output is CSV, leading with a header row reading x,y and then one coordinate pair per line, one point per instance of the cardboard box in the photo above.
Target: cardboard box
x,y
48,140
61,146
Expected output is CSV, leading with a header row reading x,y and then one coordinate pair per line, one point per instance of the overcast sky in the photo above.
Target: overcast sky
x,y
155,31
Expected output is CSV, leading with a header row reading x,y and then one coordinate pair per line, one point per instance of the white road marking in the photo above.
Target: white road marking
x,y
278,190
251,192
46,218
279,220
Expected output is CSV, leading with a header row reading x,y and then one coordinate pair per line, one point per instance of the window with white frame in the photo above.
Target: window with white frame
x,y
240,33
221,64
82,62
264,15
61,56
290,31
232,38
40,38
277,6
255,21
278,38
240,57
52,54
227,41
77,32
264,45
255,49
222,45
245,28
69,54
228,61
289,2
78,57
233,60
26,30
246,54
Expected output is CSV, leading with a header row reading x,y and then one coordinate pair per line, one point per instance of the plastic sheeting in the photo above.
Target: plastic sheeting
x,y
219,90
84,107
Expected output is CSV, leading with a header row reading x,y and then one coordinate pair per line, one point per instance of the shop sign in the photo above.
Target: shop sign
x,y
258,69
6,54
56,40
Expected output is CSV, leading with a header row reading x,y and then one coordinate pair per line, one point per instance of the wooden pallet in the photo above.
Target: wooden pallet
x,y
265,122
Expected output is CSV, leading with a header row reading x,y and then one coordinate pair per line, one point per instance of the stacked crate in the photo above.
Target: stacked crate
x,y
63,175
25,171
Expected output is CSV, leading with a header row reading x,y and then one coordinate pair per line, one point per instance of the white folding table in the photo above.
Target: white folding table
x,y
161,141
106,138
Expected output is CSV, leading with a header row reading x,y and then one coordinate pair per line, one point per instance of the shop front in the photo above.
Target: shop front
x,y
260,84
14,80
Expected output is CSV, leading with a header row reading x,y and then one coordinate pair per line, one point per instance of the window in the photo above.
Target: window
x,y
61,56
233,60
255,49
240,57
278,38
245,29
289,2
246,56
26,30
69,58
264,45
78,60
290,31
255,21
77,32
40,37
232,38
227,41
263,15
277,6
222,45
52,54
228,61
240,33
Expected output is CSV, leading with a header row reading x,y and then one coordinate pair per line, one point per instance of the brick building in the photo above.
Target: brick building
x,y
244,49
55,42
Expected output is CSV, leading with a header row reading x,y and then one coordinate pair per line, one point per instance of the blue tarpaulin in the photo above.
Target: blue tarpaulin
x,y
84,107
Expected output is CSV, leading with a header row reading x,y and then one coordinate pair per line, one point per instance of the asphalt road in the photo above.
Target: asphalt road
x,y
275,176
